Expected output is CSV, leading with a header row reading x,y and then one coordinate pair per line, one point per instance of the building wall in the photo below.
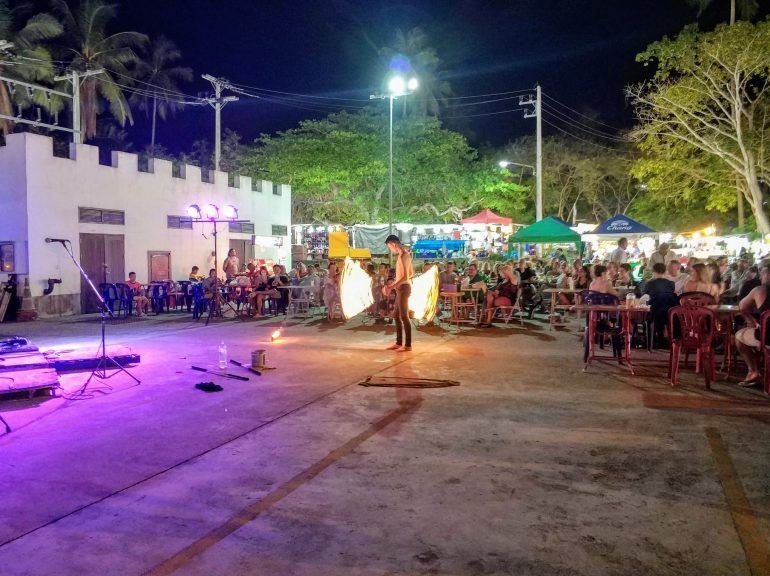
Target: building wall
x,y
40,195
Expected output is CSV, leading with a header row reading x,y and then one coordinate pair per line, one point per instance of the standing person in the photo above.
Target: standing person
x,y
403,287
231,265
619,255
662,255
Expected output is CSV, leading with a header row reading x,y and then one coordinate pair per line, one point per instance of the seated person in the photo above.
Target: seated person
x,y
660,282
504,294
748,339
674,273
626,278
141,302
210,284
750,281
600,282
279,278
526,274
448,277
260,286
194,275
474,279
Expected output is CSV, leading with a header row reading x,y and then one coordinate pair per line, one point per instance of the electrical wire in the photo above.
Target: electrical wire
x,y
485,113
578,113
314,96
560,129
560,117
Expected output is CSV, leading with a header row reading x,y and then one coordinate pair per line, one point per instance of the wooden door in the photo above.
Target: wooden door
x,y
114,258
159,265
92,261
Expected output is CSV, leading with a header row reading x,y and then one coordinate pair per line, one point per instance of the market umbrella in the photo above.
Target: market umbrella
x,y
486,216
622,225
547,231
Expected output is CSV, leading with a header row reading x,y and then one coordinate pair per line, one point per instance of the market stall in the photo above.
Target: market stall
x,y
486,232
603,239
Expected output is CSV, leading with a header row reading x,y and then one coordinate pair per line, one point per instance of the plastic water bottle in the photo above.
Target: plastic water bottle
x,y
222,356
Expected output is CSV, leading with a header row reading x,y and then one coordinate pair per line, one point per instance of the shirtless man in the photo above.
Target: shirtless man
x,y
403,287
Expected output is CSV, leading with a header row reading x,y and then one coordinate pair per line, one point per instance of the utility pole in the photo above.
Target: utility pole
x,y
75,78
537,113
539,160
218,102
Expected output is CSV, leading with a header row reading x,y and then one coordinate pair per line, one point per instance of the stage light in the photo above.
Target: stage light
x,y
230,212
194,211
210,211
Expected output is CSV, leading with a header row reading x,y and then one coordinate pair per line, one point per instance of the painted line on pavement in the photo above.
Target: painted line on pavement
x,y
250,513
746,524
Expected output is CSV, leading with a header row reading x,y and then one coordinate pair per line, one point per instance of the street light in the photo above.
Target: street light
x,y
505,163
397,86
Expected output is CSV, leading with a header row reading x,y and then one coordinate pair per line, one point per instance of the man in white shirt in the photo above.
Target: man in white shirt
x,y
619,255
674,273
662,255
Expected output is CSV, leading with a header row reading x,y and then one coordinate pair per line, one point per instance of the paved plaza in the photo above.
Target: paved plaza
x,y
528,467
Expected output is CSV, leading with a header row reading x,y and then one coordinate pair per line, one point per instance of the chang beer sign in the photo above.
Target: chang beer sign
x,y
619,225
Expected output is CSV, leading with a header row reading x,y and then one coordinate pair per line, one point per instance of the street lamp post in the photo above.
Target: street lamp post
x,y
397,86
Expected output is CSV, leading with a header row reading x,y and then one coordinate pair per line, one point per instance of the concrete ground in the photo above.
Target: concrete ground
x,y
529,467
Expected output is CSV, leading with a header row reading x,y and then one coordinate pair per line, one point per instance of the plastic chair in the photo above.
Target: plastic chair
x,y
109,294
764,326
660,305
199,301
601,325
159,298
692,329
184,298
696,299
126,298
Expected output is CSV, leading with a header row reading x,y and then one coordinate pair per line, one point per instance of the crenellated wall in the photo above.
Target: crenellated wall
x,y
40,195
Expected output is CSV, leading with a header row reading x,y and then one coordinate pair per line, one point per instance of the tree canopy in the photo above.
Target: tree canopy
x,y
338,170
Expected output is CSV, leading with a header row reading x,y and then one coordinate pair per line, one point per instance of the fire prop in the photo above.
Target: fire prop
x,y
356,292
355,289
424,298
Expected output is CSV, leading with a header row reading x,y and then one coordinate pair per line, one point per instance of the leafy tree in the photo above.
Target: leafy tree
x,y
159,76
88,46
710,94
338,169
31,62
746,8
411,50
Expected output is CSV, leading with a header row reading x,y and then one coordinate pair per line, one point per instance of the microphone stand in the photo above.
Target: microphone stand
x,y
100,370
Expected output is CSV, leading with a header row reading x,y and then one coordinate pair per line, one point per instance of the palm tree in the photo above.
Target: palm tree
x,y
160,77
31,60
411,50
747,8
88,46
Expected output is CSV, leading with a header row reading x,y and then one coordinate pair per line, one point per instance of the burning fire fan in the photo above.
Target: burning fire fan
x,y
356,292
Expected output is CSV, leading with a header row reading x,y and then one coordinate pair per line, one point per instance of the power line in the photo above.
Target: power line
x,y
579,113
485,101
485,113
558,116
560,129
314,96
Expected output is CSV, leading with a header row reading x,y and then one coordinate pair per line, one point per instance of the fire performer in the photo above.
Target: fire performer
x,y
403,287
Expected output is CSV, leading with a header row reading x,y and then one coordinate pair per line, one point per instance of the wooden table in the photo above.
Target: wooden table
x,y
458,304
625,314
726,313
554,292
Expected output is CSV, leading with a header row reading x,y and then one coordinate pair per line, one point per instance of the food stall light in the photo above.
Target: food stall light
x,y
710,231
696,235
680,239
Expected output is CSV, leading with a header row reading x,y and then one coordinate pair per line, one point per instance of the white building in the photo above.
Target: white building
x,y
120,219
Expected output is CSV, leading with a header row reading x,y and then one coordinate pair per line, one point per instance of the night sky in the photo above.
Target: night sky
x,y
580,51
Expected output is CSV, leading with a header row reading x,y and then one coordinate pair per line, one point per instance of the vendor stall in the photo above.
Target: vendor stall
x,y
486,232
549,230
434,249
641,238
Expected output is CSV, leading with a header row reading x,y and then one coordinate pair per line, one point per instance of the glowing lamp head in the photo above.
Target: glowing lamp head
x,y
210,211
503,163
412,85
230,212
194,211
397,85
275,335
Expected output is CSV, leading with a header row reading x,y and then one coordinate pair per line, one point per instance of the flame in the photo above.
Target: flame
x,y
424,298
355,289
275,335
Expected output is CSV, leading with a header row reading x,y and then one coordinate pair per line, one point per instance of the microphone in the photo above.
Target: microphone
x,y
62,240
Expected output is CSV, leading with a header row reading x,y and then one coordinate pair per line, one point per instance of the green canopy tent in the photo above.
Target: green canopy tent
x,y
547,231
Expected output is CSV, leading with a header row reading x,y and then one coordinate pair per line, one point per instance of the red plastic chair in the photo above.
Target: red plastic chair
x,y
696,299
692,330
764,324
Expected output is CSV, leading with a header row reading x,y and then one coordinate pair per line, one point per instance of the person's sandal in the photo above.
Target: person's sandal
x,y
394,347
749,383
